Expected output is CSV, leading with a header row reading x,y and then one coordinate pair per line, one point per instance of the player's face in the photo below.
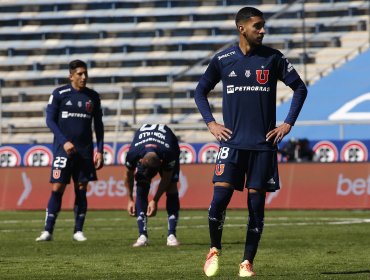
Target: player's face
x,y
253,30
78,78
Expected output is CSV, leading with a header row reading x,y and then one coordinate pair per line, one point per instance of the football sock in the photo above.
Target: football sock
x,y
141,205
54,205
217,213
80,209
256,208
173,207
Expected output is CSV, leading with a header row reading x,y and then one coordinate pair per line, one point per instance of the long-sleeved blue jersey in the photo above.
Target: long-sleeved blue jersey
x,y
70,114
249,93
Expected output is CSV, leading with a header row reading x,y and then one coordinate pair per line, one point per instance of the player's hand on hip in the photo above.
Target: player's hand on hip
x,y
69,148
98,160
131,208
152,209
277,134
219,131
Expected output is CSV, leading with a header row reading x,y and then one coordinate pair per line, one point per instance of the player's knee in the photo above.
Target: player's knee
x,y
260,191
58,187
81,186
223,184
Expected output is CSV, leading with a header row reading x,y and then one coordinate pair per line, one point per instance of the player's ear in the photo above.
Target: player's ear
x,y
241,28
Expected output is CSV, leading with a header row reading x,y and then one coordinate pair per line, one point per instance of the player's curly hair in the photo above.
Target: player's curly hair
x,y
246,13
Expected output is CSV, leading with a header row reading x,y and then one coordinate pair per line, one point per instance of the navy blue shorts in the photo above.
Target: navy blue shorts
x,y
140,173
81,169
247,169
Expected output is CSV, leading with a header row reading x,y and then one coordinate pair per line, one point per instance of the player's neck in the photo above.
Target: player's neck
x,y
245,47
76,87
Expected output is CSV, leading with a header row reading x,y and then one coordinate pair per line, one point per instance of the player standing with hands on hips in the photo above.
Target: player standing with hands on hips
x,y
69,115
248,139
154,149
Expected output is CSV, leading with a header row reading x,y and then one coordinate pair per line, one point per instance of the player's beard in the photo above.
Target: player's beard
x,y
253,43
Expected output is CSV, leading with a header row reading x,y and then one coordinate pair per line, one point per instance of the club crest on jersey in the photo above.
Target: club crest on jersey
x,y
89,106
247,73
56,173
262,76
219,169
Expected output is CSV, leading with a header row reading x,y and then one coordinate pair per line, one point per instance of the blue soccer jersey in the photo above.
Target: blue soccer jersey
x,y
156,138
249,93
70,114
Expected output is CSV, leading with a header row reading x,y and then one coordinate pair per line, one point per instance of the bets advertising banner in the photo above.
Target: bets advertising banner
x,y
303,186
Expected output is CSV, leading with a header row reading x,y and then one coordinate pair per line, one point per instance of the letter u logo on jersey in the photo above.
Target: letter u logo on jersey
x,y
89,106
262,76
219,169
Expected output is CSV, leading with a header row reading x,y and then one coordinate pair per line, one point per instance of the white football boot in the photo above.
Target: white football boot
x,y
79,236
141,241
45,236
172,240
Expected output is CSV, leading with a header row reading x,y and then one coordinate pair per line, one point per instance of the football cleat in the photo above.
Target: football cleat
x,y
211,265
172,240
246,269
79,236
141,241
45,236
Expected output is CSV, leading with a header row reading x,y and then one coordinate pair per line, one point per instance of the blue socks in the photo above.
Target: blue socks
x,y
256,208
80,209
173,208
54,205
141,205
217,213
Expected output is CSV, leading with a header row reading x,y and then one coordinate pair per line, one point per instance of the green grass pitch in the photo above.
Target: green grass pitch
x,y
294,245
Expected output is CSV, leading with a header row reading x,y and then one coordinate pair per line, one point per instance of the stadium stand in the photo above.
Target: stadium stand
x,y
344,102
145,57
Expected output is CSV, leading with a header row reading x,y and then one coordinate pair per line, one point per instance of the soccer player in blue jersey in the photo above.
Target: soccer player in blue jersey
x,y
248,138
69,114
154,149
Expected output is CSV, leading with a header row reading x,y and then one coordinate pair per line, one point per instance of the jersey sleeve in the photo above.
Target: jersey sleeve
x,y
286,72
291,78
207,82
299,96
52,114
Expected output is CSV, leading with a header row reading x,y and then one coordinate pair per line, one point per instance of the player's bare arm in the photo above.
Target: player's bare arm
x,y
219,131
164,184
277,134
98,161
129,180
69,148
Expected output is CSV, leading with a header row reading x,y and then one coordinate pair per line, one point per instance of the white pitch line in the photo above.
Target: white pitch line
x,y
324,221
183,218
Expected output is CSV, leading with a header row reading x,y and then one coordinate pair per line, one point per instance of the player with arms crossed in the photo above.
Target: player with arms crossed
x,y
69,115
154,149
248,139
